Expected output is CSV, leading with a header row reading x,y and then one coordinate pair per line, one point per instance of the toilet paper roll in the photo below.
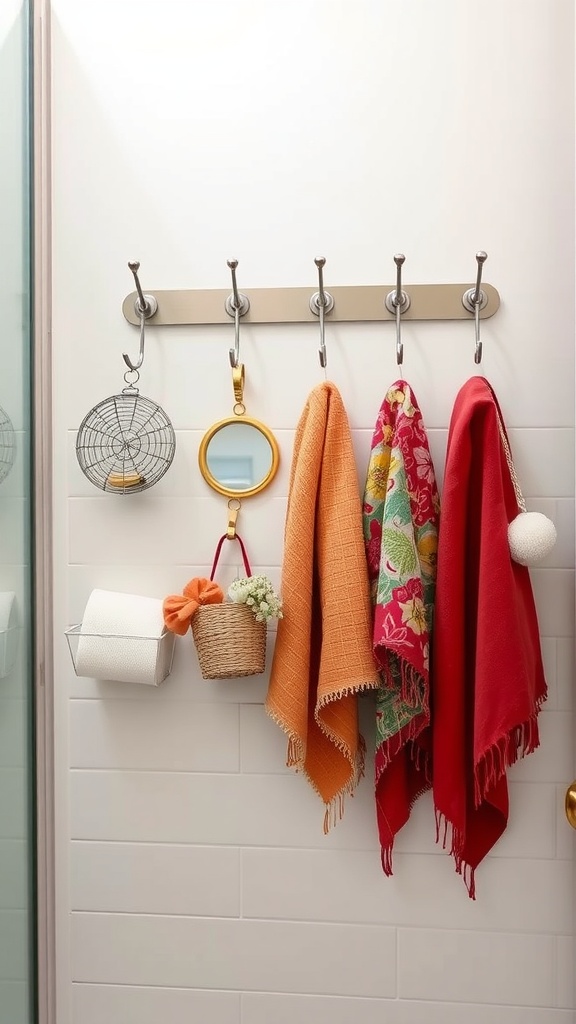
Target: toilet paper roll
x,y
8,632
123,637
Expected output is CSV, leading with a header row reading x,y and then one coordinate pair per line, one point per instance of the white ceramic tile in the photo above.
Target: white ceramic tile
x,y
260,1008
565,978
155,879
554,596
237,810
263,746
565,834
476,967
549,647
118,1004
554,759
531,825
330,885
565,673
244,955
152,734
544,460
129,531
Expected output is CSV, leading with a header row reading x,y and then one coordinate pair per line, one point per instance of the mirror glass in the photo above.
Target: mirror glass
x,y
238,457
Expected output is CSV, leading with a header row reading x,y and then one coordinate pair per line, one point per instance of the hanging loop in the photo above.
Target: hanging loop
x,y
238,379
321,302
233,510
145,307
474,299
236,305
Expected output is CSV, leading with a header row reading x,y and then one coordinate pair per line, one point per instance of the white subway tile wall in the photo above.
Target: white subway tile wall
x,y
195,883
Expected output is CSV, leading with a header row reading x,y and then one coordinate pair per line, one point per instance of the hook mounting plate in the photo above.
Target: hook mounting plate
x,y
390,302
315,305
151,306
242,308
469,296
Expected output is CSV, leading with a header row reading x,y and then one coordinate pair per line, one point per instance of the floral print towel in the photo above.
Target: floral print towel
x,y
401,508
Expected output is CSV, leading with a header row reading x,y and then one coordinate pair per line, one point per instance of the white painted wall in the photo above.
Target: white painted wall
x,y
195,883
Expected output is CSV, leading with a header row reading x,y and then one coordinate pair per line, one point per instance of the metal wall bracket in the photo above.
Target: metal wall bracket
x,y
361,303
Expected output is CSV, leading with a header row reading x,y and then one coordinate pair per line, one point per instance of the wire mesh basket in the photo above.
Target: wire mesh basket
x,y
7,445
126,443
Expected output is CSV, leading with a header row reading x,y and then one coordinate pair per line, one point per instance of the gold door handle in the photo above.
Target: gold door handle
x,y
570,804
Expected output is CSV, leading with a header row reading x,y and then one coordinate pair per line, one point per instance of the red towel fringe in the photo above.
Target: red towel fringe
x,y
501,755
492,766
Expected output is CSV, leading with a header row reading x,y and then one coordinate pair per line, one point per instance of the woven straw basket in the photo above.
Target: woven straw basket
x,y
229,641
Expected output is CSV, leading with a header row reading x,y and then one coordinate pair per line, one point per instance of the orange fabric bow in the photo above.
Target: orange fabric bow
x,y
179,609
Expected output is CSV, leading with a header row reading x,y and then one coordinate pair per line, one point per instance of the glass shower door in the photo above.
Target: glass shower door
x,y
17,841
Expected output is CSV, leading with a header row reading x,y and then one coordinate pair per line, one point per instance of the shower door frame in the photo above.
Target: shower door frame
x,y
42,504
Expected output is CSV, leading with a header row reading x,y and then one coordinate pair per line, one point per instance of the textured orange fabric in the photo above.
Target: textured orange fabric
x,y
179,609
323,656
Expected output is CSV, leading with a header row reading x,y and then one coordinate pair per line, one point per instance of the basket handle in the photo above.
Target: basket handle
x,y
219,549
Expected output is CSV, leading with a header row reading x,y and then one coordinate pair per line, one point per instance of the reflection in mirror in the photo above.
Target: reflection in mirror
x,y
238,457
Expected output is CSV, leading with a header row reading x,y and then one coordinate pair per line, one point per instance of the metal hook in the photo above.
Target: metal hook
x,y
398,297
321,302
474,299
140,360
236,305
398,302
145,306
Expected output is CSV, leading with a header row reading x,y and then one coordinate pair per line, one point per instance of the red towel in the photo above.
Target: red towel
x,y
488,682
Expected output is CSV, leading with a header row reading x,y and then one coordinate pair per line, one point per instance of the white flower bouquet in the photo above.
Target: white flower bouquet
x,y
259,595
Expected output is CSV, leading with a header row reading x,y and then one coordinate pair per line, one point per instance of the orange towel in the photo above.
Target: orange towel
x,y
323,656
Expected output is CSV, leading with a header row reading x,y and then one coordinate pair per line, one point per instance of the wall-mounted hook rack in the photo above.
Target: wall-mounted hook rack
x,y
352,303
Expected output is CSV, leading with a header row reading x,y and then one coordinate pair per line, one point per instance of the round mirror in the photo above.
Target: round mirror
x,y
238,457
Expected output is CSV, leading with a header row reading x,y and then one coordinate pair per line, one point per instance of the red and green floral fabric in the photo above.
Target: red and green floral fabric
x,y
401,509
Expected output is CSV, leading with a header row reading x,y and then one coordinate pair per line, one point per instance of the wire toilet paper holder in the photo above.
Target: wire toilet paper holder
x,y
161,648
122,637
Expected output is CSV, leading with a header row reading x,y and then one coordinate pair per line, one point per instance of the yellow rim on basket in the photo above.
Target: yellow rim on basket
x,y
229,641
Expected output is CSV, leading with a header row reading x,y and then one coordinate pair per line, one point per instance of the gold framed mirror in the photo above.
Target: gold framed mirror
x,y
238,456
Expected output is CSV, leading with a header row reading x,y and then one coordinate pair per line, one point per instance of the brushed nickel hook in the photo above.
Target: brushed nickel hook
x,y
321,302
236,305
398,302
474,299
145,306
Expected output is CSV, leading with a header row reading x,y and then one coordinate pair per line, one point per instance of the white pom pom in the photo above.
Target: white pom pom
x,y
531,536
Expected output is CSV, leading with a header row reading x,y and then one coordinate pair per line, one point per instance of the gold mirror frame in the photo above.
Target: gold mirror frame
x,y
203,457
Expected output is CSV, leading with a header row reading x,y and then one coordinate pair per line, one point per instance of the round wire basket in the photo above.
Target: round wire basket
x,y
126,443
7,445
